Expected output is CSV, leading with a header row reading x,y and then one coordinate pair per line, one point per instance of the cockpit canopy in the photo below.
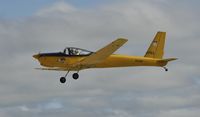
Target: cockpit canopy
x,y
76,51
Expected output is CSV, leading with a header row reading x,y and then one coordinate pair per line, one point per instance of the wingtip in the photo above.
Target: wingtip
x,y
161,32
122,39
175,58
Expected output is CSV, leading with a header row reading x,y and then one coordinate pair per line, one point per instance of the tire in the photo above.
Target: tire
x,y
62,79
75,76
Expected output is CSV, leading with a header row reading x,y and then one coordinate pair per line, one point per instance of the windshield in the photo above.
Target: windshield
x,y
76,51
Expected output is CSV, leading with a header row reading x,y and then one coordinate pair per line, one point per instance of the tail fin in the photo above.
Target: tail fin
x,y
156,49
164,62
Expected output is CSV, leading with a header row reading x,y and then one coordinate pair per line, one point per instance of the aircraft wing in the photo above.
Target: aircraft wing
x,y
54,69
103,53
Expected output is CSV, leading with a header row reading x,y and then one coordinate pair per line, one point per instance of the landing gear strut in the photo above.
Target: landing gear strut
x,y
63,79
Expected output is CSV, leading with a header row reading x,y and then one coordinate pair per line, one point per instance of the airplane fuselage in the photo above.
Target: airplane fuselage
x,y
114,60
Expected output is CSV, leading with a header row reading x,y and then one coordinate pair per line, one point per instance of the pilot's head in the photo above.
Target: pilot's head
x,y
75,51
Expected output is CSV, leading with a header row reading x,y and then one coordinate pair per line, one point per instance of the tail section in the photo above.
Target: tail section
x,y
164,62
156,49
168,59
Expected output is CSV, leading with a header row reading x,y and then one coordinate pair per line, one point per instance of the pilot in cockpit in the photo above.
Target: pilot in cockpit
x,y
72,51
75,52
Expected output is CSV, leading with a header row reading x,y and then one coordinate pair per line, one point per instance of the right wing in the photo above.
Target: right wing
x,y
102,54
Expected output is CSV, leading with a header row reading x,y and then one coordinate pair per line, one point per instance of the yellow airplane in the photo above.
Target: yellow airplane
x,y
76,59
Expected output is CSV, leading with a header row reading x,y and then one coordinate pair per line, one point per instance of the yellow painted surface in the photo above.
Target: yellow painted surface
x,y
104,58
56,61
112,61
156,48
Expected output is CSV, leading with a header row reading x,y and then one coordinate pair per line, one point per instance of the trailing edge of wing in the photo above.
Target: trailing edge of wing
x,y
54,69
103,53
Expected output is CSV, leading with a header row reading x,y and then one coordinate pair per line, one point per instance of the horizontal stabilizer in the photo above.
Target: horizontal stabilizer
x,y
168,59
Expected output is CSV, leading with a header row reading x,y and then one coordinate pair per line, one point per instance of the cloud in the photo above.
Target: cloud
x,y
141,92
181,113
57,8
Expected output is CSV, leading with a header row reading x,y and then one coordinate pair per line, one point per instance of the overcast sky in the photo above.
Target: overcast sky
x,y
29,27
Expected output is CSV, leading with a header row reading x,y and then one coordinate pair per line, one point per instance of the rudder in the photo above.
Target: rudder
x,y
156,49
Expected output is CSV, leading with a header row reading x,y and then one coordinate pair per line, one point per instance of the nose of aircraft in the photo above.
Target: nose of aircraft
x,y
36,56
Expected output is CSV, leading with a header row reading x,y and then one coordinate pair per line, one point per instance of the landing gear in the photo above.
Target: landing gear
x,y
75,76
63,79
165,69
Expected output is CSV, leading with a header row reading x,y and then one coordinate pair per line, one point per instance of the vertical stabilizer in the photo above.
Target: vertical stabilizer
x,y
156,49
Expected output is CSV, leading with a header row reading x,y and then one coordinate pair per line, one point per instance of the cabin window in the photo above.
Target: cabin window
x,y
66,51
76,51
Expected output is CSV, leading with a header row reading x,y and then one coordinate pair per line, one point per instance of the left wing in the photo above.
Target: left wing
x,y
55,69
102,54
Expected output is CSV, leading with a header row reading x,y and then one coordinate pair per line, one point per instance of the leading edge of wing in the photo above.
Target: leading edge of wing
x,y
103,53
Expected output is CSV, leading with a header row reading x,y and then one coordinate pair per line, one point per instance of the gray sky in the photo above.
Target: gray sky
x,y
122,92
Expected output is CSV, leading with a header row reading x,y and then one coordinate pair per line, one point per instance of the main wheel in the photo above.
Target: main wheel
x,y
75,76
62,79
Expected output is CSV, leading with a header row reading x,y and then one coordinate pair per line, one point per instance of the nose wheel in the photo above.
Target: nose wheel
x,y
62,79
